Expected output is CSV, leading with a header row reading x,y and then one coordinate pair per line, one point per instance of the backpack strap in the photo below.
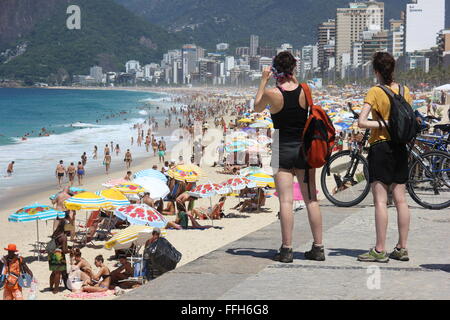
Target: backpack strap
x,y
308,95
310,104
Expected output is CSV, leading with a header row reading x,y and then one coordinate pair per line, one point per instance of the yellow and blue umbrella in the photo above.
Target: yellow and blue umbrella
x,y
137,235
114,196
250,170
262,180
130,188
87,201
188,173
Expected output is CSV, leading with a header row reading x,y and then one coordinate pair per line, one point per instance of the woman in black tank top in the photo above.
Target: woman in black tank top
x,y
289,114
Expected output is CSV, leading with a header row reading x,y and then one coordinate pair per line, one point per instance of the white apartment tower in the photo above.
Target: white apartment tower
x,y
254,45
351,21
424,20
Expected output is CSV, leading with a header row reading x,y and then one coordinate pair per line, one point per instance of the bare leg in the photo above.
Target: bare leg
x,y
380,191
312,205
283,182
403,214
56,281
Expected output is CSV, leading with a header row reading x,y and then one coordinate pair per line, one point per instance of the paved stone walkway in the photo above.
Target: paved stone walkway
x,y
243,269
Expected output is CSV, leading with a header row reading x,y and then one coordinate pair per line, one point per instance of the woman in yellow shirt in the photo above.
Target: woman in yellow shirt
x,y
388,162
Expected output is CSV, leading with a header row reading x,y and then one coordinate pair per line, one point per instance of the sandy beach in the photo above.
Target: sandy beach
x,y
191,243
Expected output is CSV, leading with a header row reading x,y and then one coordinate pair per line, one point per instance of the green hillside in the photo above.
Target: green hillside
x,y
109,36
208,22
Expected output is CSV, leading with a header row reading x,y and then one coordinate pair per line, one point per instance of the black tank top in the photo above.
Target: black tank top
x,y
291,120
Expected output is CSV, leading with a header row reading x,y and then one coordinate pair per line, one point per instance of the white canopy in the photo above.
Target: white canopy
x,y
445,87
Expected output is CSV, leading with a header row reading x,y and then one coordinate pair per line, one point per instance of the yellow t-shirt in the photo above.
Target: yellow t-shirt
x,y
379,101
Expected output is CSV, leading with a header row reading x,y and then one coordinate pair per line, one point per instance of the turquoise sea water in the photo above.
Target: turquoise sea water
x,y
76,119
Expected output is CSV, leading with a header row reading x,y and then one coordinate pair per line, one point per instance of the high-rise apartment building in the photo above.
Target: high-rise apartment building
x,y
326,34
351,21
424,20
396,37
254,45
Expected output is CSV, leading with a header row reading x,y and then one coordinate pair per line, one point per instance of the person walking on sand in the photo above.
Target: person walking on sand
x,y
94,155
13,266
154,146
289,111
10,169
60,172
84,158
107,162
80,173
117,150
147,143
107,150
71,170
161,151
128,159
387,161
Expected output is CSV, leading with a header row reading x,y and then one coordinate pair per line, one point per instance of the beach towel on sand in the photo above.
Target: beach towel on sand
x,y
93,295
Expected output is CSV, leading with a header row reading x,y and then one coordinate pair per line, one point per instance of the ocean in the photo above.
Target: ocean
x,y
76,120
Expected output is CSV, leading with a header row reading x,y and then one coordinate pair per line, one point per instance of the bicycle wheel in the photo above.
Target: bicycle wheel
x,y
429,180
345,179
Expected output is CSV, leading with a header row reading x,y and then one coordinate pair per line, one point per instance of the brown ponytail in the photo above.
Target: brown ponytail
x,y
384,63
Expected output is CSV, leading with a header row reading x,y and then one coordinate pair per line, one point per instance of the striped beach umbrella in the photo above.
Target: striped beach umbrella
x,y
250,170
130,188
36,212
114,196
236,146
262,180
188,173
151,174
87,201
137,235
157,188
141,214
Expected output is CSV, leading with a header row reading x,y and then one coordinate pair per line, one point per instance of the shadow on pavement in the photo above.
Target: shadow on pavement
x,y
261,253
335,252
442,267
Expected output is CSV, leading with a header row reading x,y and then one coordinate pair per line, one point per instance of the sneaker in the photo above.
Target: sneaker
x,y
317,253
285,255
399,254
374,256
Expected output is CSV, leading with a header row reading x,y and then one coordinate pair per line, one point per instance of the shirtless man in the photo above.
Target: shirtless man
x,y
147,143
124,272
154,145
71,173
107,150
60,172
146,199
59,204
10,169
128,159
129,176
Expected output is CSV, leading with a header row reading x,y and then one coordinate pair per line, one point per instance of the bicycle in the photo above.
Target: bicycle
x,y
429,172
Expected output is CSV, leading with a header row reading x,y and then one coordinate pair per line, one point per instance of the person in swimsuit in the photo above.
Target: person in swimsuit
x,y
94,156
161,151
60,172
10,169
102,280
71,173
107,162
57,258
128,159
129,176
84,158
81,264
289,113
80,173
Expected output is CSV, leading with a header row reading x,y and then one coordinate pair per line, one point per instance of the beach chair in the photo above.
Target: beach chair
x,y
88,229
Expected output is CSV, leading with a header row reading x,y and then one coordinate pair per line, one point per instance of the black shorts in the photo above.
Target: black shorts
x,y
388,163
287,155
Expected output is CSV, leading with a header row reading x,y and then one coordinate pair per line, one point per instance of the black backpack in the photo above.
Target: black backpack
x,y
403,126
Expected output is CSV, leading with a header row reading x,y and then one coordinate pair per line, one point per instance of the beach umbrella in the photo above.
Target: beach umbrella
x,y
151,173
207,190
114,182
238,134
130,188
188,173
114,196
72,190
87,201
245,120
137,235
236,146
262,180
237,184
141,214
36,212
156,187
250,170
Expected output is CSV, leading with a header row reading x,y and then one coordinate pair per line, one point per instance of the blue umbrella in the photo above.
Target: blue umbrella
x,y
151,173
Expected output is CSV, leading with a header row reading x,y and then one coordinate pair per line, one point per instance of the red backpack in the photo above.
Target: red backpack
x,y
319,134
